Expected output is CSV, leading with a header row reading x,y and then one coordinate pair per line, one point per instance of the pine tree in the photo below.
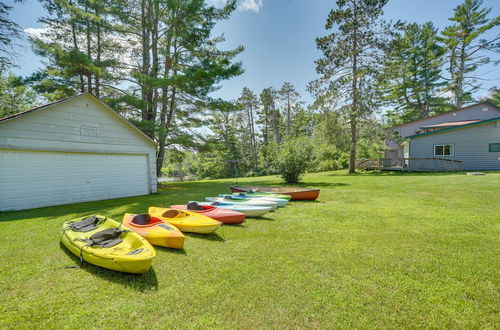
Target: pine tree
x,y
15,95
9,32
411,77
466,51
80,48
249,104
291,101
350,61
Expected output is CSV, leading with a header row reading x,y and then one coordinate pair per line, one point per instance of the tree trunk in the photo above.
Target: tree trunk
x,y
98,56
89,49
276,127
145,57
75,45
254,143
167,108
459,80
288,120
354,108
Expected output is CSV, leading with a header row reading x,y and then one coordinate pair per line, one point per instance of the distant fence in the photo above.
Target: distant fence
x,y
420,164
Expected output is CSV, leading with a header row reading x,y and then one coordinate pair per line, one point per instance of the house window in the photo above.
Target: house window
x,y
443,150
494,147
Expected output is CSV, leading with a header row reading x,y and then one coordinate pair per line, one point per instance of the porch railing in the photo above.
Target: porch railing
x,y
421,164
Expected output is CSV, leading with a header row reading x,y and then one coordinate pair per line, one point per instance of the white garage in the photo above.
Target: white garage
x,y
73,150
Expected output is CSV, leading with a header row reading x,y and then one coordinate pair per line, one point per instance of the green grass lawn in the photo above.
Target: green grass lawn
x,y
375,250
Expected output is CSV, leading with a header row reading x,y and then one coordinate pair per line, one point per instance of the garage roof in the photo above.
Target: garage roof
x,y
22,113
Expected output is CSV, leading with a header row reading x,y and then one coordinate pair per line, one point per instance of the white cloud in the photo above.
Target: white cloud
x,y
35,32
253,5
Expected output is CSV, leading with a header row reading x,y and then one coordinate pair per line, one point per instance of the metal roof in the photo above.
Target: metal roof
x,y
453,128
448,112
452,123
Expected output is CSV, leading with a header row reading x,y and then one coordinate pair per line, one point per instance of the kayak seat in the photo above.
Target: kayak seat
x,y
141,219
228,197
106,238
193,206
215,203
170,213
85,225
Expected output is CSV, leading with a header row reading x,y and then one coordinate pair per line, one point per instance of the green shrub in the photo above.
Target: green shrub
x,y
294,158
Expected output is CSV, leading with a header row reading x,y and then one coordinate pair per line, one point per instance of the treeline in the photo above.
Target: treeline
x,y
245,138
157,62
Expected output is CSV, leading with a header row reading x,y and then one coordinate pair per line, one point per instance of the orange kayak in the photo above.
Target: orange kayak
x,y
155,230
297,193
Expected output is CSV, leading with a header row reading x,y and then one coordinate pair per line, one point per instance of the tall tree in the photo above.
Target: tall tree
x,y
350,61
269,97
290,99
225,127
249,103
79,46
9,32
467,52
410,81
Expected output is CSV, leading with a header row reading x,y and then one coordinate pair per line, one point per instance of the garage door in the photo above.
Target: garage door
x,y
33,179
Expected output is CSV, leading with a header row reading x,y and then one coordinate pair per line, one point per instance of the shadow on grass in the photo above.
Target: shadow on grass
x,y
262,219
140,282
399,173
178,193
309,184
215,237
164,249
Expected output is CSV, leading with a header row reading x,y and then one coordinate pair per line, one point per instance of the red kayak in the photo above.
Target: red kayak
x,y
216,213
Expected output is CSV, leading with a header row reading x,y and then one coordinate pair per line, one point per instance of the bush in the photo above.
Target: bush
x,y
294,158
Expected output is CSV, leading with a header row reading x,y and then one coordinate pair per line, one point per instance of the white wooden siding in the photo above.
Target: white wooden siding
x,y
33,179
86,151
79,125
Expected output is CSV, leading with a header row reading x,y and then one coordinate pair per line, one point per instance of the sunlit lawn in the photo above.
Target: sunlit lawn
x,y
375,250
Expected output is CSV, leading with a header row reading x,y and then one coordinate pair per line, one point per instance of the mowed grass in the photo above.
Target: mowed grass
x,y
375,250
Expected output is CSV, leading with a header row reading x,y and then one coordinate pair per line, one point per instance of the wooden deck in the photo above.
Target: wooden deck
x,y
420,165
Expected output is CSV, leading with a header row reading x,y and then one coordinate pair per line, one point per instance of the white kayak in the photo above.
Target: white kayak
x,y
230,200
242,196
250,211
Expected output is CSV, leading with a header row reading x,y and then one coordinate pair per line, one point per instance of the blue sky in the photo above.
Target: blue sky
x,y
279,36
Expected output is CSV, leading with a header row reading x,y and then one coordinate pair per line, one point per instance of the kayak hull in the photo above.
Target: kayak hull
x,y
235,201
158,232
281,202
187,221
114,258
220,214
248,210
264,194
296,193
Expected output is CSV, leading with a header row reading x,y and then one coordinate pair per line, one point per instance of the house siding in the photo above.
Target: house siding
x,y
80,125
471,146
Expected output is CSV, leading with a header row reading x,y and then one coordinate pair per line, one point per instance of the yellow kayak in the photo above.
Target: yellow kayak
x,y
106,243
154,230
186,221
